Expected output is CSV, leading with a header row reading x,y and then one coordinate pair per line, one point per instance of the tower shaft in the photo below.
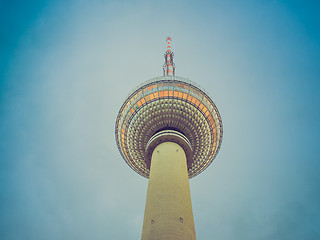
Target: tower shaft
x,y
168,211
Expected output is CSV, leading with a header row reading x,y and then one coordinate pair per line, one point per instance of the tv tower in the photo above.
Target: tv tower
x,y
168,130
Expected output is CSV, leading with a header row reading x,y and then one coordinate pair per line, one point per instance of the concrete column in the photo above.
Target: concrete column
x,y
168,213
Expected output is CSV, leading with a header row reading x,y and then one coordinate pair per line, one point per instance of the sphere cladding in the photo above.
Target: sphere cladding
x,y
169,102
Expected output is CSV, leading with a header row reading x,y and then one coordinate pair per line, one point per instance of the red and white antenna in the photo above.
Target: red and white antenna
x,y
168,66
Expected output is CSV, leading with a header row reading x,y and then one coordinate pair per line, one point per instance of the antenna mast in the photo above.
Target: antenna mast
x,y
168,66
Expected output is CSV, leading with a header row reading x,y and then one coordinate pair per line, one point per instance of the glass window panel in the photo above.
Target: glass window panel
x,y
185,96
204,109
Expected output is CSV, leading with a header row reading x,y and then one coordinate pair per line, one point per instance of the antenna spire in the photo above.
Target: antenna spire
x,y
168,66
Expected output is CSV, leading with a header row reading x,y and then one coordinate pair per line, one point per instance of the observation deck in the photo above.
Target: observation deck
x,y
174,104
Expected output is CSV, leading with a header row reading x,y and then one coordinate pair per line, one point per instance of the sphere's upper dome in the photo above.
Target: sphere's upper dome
x,y
169,102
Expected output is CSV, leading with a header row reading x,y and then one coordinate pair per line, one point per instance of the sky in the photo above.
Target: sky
x,y
67,66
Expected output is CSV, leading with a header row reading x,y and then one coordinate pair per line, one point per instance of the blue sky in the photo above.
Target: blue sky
x,y
67,66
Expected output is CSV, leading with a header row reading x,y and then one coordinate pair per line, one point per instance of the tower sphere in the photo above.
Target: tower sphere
x,y
169,108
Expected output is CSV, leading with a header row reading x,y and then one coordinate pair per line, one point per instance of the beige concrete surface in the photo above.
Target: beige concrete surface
x,y
168,212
